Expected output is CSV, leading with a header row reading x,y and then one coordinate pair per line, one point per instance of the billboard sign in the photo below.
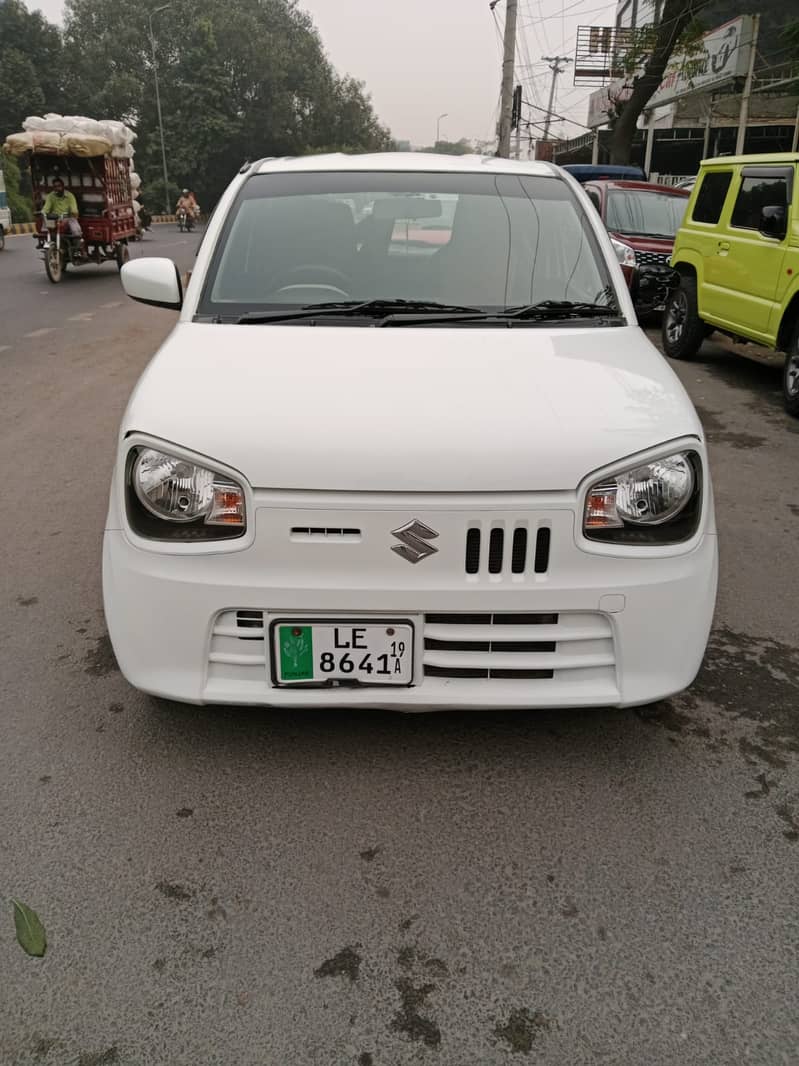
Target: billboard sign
x,y
721,56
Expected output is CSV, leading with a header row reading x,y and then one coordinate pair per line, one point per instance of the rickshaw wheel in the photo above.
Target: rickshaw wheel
x,y
122,255
54,265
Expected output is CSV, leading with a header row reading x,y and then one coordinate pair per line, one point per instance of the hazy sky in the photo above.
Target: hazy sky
x,y
420,58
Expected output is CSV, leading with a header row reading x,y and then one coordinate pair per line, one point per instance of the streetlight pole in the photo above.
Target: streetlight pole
x,y
438,126
158,104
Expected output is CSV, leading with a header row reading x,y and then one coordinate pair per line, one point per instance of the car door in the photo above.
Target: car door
x,y
743,274
698,238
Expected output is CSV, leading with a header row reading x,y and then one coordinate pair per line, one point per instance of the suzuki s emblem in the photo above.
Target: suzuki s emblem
x,y
414,536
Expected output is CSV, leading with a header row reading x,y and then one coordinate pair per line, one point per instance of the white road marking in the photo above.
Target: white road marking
x,y
5,347
84,316
40,332
108,307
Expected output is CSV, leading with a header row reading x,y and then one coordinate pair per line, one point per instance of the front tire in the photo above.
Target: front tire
x,y
790,377
54,264
683,330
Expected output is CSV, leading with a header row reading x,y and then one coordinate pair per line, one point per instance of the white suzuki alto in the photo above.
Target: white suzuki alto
x,y
407,448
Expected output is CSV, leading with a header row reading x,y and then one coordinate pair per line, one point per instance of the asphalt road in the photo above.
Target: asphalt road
x,y
249,887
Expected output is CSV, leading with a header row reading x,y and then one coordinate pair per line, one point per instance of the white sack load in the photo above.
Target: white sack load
x,y
120,135
135,180
86,144
51,142
38,141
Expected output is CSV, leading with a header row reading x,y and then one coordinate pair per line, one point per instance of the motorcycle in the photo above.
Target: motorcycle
x,y
59,246
61,249
185,220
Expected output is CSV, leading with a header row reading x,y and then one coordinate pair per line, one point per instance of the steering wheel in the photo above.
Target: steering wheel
x,y
316,270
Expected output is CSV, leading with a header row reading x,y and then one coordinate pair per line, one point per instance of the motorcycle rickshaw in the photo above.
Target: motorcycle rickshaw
x,y
101,187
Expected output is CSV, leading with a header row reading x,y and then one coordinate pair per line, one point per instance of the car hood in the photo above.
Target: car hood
x,y
410,409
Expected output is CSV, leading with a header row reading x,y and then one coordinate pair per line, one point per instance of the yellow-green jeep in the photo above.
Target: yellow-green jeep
x,y
737,261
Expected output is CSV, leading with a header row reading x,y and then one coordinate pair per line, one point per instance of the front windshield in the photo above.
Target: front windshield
x,y
638,212
478,240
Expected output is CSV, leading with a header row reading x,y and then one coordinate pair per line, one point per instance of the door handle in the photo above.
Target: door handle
x,y
724,246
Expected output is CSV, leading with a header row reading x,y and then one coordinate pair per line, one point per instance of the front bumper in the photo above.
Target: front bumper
x,y
597,629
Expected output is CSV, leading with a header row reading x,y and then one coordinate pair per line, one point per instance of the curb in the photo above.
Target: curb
x,y
18,229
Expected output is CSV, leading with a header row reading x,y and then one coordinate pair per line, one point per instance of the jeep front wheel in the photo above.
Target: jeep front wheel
x,y
790,378
683,330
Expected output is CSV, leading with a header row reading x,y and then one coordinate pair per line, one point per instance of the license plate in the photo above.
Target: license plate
x,y
317,653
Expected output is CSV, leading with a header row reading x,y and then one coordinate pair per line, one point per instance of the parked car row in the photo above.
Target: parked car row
x,y
719,251
642,219
736,260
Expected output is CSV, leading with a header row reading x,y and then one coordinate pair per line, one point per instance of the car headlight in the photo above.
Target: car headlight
x,y
624,253
654,503
170,498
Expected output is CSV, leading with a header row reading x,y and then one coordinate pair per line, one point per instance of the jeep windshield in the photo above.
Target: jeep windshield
x,y
644,213
464,248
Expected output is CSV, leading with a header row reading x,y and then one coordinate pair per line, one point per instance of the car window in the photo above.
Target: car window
x,y
490,241
645,213
711,196
756,192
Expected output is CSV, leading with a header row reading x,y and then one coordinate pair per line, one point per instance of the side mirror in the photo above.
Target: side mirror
x,y
773,221
153,281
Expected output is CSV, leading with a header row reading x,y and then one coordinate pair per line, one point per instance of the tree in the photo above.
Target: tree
x,y
18,188
649,57
461,147
239,79
30,65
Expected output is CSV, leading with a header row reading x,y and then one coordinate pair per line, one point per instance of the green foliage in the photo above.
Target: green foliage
x,y
239,79
30,931
30,65
461,147
18,189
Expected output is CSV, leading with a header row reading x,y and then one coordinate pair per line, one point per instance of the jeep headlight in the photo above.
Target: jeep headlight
x,y
170,498
658,502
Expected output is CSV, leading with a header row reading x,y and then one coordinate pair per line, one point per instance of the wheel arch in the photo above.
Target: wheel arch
x,y
788,322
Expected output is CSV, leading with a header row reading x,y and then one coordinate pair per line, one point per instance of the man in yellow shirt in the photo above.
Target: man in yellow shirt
x,y
61,201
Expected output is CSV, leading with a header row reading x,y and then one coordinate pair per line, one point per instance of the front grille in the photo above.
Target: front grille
x,y
519,647
238,647
502,552
652,258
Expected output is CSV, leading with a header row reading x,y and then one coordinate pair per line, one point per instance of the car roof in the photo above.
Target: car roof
x,y
773,158
420,162
646,186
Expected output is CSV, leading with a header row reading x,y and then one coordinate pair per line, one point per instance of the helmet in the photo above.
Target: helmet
x,y
185,192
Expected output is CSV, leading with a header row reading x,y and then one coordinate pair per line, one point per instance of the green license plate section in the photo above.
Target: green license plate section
x,y
319,653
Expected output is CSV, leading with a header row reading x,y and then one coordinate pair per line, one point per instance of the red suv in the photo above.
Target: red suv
x,y
642,219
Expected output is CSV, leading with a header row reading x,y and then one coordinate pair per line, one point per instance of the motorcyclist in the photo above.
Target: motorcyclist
x,y
187,203
60,201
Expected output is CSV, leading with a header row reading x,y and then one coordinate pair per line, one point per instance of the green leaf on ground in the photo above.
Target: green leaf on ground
x,y
30,931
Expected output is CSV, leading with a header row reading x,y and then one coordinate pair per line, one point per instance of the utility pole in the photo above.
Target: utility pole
x,y
556,68
508,63
743,116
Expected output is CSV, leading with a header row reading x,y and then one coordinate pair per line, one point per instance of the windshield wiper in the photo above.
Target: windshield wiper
x,y
560,309
354,308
